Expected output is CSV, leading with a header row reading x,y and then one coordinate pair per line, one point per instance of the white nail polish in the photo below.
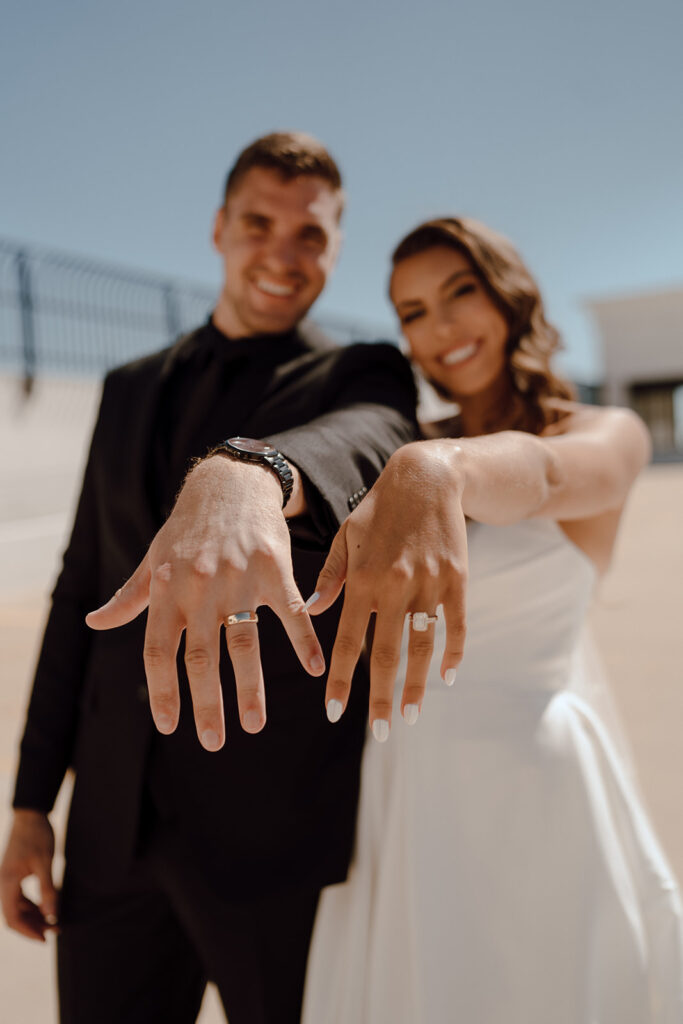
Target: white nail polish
x,y
334,710
411,713
380,730
449,676
312,599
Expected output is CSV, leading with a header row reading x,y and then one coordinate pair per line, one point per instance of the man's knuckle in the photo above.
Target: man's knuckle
x,y
154,654
198,658
205,710
267,550
202,567
250,693
163,573
164,700
294,604
242,643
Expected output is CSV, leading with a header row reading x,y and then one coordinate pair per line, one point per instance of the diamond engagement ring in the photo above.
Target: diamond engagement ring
x,y
240,617
420,621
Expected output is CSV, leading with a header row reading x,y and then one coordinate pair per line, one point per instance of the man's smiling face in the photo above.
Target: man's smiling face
x,y
279,240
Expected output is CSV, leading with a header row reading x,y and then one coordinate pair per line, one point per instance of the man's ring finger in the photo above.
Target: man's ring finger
x,y
239,617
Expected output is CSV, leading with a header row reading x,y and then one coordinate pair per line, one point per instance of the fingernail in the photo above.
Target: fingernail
x,y
411,713
210,740
312,599
252,721
380,730
334,710
165,724
449,676
317,663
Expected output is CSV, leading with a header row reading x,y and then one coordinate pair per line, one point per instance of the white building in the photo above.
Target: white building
x,y
642,345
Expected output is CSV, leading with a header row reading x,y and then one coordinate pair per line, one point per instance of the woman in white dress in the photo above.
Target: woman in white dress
x,y
505,872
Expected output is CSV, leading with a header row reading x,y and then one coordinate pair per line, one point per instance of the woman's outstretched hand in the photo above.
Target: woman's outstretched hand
x,y
403,550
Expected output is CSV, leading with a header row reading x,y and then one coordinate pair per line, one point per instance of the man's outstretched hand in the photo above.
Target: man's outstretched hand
x,y
224,549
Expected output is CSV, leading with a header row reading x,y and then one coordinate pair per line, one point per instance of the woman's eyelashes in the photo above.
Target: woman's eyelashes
x,y
464,289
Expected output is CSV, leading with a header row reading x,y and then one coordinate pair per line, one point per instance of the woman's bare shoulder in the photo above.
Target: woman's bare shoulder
x,y
577,418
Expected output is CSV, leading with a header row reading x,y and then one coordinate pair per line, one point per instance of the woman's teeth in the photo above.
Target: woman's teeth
x,y
457,355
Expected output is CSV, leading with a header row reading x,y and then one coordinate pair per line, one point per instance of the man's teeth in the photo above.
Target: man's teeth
x,y
275,289
459,354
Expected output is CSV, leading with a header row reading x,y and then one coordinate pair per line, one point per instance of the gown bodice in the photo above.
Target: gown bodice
x,y
528,593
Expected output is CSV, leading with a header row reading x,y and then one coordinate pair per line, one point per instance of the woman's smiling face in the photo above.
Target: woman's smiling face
x,y
456,333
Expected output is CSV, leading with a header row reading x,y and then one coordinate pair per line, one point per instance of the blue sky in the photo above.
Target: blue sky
x,y
557,123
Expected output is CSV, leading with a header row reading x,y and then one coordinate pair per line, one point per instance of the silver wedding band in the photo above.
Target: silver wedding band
x,y
239,617
421,621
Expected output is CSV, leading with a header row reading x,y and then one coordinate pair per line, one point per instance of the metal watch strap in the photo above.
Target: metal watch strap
x,y
275,460
279,464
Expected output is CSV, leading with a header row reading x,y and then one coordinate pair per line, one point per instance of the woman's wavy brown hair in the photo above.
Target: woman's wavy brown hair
x,y
540,394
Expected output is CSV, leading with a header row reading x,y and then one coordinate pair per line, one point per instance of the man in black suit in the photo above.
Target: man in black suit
x,y
192,855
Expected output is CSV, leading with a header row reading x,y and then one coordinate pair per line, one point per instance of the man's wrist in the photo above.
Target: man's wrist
x,y
260,453
217,462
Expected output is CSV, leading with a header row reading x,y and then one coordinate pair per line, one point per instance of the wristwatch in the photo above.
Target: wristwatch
x,y
249,450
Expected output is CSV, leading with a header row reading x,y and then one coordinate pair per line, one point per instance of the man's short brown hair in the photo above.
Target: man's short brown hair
x,y
290,154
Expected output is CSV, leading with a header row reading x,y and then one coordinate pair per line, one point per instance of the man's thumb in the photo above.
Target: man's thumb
x,y
48,893
126,604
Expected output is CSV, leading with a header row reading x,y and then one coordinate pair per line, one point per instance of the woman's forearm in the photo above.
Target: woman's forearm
x,y
504,477
498,479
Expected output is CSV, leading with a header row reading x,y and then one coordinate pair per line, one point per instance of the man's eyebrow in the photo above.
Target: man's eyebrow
x,y
254,215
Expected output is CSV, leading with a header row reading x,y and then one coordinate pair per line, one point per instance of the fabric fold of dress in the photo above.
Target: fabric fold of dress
x,y
505,870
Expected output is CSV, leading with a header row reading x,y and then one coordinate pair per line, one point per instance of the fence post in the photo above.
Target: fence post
x,y
27,326
172,312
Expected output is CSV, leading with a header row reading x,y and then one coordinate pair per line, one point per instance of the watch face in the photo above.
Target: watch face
x,y
248,444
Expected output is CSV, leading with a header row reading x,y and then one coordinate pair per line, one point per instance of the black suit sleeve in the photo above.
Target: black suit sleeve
x,y
370,413
47,743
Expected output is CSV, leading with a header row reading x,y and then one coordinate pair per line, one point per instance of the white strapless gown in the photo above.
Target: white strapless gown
x,y
505,872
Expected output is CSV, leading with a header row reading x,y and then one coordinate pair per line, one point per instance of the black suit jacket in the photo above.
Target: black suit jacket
x,y
277,807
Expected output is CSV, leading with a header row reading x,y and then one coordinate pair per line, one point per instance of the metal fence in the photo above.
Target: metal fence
x,y
64,315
